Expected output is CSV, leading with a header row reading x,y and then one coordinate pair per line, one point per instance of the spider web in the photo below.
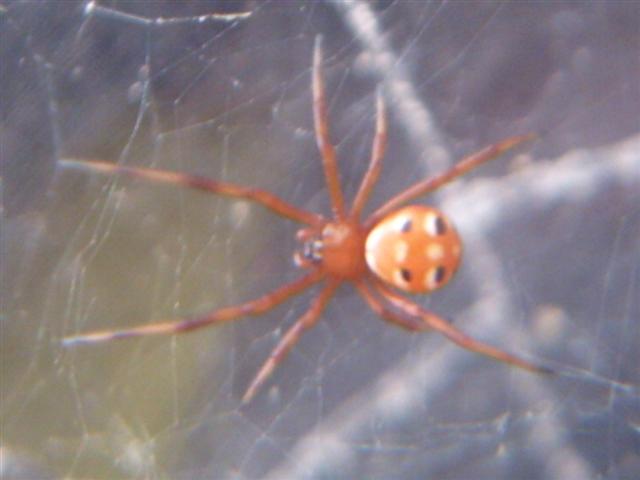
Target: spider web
x,y
552,239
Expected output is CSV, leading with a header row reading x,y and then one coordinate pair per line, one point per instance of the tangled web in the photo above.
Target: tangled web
x,y
552,239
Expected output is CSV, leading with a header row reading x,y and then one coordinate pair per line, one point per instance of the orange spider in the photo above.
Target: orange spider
x,y
412,248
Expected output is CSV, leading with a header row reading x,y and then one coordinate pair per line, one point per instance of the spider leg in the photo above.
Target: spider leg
x,y
375,164
321,123
405,322
287,342
464,166
253,307
262,197
452,333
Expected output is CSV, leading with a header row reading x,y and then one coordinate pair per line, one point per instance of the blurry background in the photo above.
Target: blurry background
x,y
552,252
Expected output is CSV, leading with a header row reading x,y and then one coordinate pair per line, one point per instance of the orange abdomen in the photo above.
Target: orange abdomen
x,y
415,249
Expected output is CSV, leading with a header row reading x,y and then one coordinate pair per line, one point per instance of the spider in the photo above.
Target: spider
x,y
398,248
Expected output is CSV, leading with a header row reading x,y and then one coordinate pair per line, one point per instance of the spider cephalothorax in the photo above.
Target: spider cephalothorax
x,y
336,247
414,248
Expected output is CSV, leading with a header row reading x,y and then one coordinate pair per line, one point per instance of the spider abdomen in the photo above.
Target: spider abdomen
x,y
415,249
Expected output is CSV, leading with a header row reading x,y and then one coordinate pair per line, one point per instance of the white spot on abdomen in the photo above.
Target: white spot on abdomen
x,y
434,251
400,251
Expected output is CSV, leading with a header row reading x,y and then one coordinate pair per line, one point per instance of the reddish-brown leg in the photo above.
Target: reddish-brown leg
x,y
432,183
375,164
253,307
400,320
439,324
288,341
208,185
325,146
